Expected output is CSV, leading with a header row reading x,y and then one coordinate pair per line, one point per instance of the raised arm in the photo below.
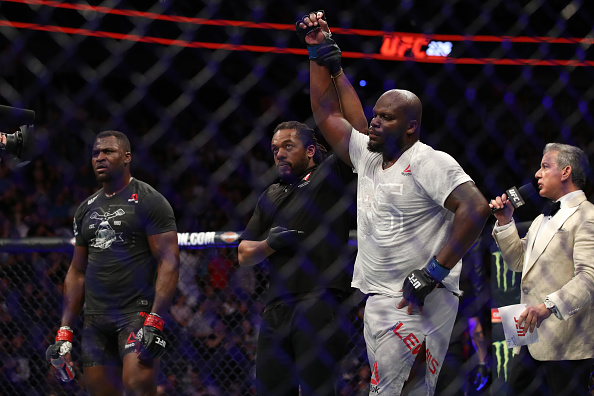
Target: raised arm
x,y
325,103
326,111
350,104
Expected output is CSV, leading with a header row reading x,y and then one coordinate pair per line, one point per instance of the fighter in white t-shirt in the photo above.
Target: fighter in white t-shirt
x,y
401,220
418,213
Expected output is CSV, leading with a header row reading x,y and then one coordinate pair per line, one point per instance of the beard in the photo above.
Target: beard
x,y
375,147
296,170
287,176
102,178
387,146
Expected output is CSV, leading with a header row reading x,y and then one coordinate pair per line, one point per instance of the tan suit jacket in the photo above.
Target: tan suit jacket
x,y
560,264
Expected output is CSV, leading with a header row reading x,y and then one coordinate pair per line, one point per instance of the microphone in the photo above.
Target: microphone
x,y
518,196
19,145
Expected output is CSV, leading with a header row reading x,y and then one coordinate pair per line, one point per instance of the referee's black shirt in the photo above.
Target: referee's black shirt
x,y
321,203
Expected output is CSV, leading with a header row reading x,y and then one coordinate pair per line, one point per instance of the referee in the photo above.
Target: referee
x,y
301,225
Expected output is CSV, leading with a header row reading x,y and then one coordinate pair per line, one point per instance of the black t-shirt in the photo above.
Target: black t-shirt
x,y
121,270
321,204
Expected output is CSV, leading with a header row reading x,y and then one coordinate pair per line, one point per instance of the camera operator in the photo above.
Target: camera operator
x,y
16,134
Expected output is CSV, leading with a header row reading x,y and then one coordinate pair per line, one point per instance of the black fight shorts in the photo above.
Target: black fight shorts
x,y
107,338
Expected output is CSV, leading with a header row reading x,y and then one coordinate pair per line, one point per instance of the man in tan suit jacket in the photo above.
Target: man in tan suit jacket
x,y
556,258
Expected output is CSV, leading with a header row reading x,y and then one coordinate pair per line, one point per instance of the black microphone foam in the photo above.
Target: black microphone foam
x,y
14,117
518,196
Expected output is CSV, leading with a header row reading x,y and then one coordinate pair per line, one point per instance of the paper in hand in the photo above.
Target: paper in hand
x,y
515,335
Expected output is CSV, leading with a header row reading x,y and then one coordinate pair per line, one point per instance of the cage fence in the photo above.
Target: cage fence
x,y
198,86
212,326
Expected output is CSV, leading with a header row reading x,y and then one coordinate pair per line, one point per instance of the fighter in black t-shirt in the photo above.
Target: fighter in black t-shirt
x,y
301,225
121,270
124,270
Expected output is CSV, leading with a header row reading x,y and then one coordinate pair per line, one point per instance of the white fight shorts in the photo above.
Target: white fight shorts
x,y
394,339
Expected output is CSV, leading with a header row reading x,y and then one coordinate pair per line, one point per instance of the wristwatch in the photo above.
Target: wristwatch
x,y
550,305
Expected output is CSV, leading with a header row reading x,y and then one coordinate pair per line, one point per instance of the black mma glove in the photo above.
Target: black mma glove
x,y
419,283
151,343
327,53
63,343
302,32
281,237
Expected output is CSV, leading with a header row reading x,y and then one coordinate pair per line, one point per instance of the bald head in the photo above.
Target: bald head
x,y
396,123
406,101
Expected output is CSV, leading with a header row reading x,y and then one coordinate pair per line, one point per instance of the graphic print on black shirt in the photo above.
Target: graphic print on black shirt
x,y
105,234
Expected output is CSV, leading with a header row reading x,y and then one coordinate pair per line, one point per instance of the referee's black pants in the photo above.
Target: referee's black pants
x,y
529,376
300,345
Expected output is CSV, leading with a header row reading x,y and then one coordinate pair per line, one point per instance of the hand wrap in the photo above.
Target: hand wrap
x,y
151,343
327,54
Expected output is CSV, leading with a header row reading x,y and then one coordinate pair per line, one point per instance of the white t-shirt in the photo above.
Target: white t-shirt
x,y
401,220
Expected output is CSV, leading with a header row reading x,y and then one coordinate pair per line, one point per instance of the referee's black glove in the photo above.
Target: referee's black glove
x,y
281,237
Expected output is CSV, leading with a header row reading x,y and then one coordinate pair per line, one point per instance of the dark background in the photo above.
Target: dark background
x,y
200,123
197,116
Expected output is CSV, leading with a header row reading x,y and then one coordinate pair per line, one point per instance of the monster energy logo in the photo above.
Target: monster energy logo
x,y
502,272
502,354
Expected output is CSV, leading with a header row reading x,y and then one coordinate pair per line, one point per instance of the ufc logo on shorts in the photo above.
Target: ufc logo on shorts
x,y
414,281
161,342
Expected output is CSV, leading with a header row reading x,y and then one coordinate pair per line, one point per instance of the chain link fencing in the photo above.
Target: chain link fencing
x,y
198,90
212,328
